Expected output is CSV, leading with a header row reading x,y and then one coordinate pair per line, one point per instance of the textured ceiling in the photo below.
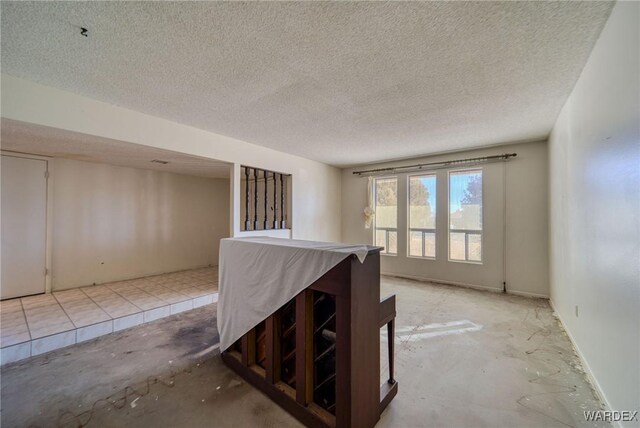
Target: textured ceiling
x,y
339,82
41,140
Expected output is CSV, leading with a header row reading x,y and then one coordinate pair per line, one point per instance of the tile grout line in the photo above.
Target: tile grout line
x,y
167,288
145,291
65,312
26,322
126,299
98,304
88,325
75,329
142,311
31,339
115,292
26,319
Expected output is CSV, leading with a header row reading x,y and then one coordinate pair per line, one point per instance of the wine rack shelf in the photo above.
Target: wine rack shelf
x,y
318,356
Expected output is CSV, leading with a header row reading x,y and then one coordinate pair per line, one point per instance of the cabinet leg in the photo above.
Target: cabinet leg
x,y
391,340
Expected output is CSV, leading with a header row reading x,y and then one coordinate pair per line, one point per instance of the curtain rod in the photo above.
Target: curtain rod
x,y
436,165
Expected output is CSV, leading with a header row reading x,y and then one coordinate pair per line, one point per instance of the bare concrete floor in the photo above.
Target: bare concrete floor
x,y
465,358
518,370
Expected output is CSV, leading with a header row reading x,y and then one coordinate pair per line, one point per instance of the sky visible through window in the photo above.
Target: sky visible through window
x,y
459,183
465,216
430,184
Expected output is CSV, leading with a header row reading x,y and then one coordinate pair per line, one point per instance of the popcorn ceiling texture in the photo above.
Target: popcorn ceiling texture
x,y
45,141
338,82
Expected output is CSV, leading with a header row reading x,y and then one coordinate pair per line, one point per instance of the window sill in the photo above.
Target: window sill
x,y
468,262
421,258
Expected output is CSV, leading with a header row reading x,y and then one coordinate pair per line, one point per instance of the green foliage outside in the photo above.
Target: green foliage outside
x,y
421,215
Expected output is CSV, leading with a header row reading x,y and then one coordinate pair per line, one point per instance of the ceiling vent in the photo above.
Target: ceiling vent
x,y
160,161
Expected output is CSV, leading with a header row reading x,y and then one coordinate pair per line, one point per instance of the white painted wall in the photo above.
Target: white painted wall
x,y
112,223
526,223
595,211
316,195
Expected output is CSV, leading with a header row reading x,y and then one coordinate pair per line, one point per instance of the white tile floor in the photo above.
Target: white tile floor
x,y
37,324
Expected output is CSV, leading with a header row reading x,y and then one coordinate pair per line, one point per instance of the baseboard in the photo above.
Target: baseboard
x,y
133,277
440,281
466,285
528,294
587,369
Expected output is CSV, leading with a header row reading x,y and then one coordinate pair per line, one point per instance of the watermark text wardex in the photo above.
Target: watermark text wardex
x,y
610,416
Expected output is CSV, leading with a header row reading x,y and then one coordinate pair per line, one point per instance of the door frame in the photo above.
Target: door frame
x,y
49,210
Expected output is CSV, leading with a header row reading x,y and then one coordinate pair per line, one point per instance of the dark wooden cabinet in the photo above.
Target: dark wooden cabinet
x,y
318,356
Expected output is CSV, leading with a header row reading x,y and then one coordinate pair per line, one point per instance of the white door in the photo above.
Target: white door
x,y
23,215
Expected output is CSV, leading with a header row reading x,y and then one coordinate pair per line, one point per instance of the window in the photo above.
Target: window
x,y
422,216
465,216
386,216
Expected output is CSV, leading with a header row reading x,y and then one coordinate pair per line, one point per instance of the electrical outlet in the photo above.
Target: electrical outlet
x,y
576,311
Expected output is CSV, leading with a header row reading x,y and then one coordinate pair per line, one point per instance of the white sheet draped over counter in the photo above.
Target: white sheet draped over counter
x,y
258,275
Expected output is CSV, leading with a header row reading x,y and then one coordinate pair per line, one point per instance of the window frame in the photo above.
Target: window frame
x,y
433,174
449,259
375,218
